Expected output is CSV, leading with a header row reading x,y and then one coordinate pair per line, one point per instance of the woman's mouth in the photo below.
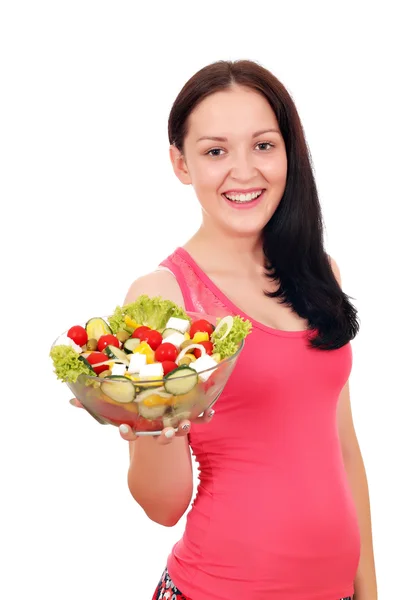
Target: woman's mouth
x,y
244,200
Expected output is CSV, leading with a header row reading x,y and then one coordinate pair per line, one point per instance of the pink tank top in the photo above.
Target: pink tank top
x,y
274,518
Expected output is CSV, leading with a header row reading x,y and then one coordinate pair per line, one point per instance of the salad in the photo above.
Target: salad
x,y
148,355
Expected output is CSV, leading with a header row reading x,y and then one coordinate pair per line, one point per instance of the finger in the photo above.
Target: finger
x,y
75,402
167,435
205,417
183,428
127,433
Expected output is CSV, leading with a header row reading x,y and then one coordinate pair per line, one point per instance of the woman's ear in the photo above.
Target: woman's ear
x,y
179,165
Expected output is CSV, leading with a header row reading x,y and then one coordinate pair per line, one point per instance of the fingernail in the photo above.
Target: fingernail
x,y
211,413
170,433
186,427
124,429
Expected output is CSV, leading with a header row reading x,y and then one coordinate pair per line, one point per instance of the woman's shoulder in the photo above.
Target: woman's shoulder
x,y
160,282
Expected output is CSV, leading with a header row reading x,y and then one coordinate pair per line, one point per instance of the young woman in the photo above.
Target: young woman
x,y
282,508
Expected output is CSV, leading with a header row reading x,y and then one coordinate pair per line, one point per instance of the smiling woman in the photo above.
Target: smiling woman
x,y
277,511
221,174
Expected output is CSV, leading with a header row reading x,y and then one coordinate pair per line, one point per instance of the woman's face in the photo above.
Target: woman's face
x,y
229,173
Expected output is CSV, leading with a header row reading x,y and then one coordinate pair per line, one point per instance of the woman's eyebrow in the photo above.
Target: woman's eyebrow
x,y
224,139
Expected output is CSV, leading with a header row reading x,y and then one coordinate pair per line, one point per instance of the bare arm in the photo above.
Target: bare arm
x,y
365,584
160,475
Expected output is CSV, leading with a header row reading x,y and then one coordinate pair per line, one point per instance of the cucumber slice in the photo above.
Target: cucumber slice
x,y
87,363
97,327
131,344
159,391
157,410
120,389
114,352
169,331
152,412
181,380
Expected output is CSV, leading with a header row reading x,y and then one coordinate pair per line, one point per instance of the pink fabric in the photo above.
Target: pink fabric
x,y
274,517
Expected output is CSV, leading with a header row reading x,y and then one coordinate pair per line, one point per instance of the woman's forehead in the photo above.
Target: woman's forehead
x,y
230,112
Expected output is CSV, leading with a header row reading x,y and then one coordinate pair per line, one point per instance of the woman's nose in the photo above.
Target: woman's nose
x,y
243,167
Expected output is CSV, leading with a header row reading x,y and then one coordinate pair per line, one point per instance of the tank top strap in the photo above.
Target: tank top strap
x,y
197,296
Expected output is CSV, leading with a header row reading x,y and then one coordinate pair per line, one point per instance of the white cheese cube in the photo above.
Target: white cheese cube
x,y
181,325
118,369
64,340
136,362
153,370
176,339
203,363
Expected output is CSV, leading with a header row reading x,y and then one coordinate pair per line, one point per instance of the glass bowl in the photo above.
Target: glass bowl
x,y
148,413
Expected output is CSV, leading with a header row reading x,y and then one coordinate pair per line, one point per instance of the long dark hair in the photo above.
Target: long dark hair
x,y
293,237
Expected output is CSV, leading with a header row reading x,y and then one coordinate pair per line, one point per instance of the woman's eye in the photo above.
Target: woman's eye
x,y
214,150
265,144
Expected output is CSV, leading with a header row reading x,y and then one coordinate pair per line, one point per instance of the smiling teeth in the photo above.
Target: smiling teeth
x,y
243,197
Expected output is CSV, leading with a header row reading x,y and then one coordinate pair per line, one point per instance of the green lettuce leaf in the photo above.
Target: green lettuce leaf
x,y
153,312
67,365
230,344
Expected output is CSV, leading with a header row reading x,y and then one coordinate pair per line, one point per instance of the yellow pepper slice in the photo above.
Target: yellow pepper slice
x,y
144,348
200,336
156,400
130,322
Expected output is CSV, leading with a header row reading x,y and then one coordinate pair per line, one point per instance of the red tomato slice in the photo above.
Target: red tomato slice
x,y
153,338
97,357
78,334
168,366
107,340
139,331
166,351
203,326
209,347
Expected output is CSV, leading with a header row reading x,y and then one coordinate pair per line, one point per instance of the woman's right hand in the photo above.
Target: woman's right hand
x,y
167,434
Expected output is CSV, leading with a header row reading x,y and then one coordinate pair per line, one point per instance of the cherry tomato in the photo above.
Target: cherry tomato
x,y
168,366
140,331
97,357
107,340
78,335
209,347
166,351
153,338
201,325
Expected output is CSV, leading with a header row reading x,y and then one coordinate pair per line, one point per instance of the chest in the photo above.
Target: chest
x,y
248,295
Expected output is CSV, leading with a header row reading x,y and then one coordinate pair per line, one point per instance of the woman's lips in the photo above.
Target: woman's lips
x,y
244,205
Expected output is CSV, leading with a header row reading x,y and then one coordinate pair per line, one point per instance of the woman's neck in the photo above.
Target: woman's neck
x,y
221,252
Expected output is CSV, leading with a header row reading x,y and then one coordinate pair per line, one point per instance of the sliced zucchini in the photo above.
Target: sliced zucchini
x,y
116,353
97,327
119,388
131,344
169,331
152,412
87,363
181,380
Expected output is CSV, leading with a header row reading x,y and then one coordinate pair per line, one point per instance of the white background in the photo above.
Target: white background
x,y
90,202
